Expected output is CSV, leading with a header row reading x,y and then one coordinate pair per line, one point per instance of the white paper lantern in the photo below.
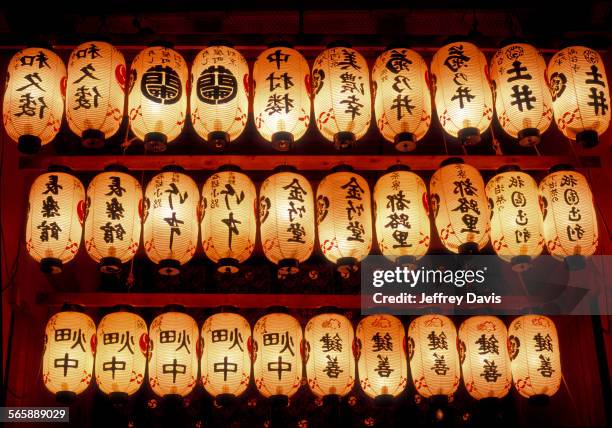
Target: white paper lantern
x,y
522,100
157,100
463,98
341,92
402,101
220,95
95,92
56,210
286,220
580,94
34,98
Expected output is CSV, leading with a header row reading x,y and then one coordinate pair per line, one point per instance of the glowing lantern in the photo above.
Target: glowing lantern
x,y
484,357
96,92
402,101
533,345
330,363
459,206
341,91
281,99
113,222
516,219
570,221
34,98
157,101
580,94
56,210
286,217
226,363
171,220
229,225
463,98
121,357
68,357
432,351
277,356
402,215
174,348
522,99
381,356
220,97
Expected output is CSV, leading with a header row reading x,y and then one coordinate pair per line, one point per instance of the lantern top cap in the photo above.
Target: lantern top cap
x,y
161,43
338,44
172,168
123,307
72,307
508,168
328,310
561,167
224,309
229,167
342,168
284,168
398,44
58,168
280,44
37,42
459,38
513,41
221,42
451,161
398,167
173,307
116,167
278,309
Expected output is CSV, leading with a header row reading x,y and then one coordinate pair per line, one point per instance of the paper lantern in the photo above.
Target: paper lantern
x,y
171,220
68,355
121,357
463,98
522,100
580,94
341,92
95,92
277,356
229,225
459,206
344,218
484,357
157,100
226,363
570,221
330,363
175,351
432,351
56,210
533,345
113,222
402,102
516,219
220,96
34,98
281,99
401,216
286,218
381,356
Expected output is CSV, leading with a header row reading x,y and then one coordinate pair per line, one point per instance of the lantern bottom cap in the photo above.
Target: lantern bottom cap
x,y
224,400
156,142
529,137
218,140
469,136
575,262
331,399
344,140
118,397
65,397
520,263
173,399
282,141
169,267
279,400
51,265
228,265
383,400
405,142
587,139
110,265
468,248
92,139
439,400
539,400
407,261
288,266
28,144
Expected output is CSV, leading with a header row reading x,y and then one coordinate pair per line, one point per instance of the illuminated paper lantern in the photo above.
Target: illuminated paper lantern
x,y
229,225
330,363
95,92
460,207
68,356
344,219
570,221
516,218
121,357
341,92
174,348
433,356
277,356
462,94
226,363
34,98
484,357
381,356
113,222
522,100
580,94
402,215
281,99
286,218
157,100
171,220
402,101
533,345
220,95
56,210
